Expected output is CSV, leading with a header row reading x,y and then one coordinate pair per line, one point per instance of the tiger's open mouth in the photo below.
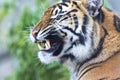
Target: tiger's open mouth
x,y
52,44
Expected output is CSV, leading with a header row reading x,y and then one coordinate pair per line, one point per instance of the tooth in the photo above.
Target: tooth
x,y
40,47
44,45
47,44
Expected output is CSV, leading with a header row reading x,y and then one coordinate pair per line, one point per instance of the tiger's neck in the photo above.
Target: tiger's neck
x,y
109,41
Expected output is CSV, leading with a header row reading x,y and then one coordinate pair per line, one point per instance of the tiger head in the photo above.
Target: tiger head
x,y
66,31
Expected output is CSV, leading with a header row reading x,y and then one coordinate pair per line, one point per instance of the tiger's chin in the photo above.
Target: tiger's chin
x,y
46,58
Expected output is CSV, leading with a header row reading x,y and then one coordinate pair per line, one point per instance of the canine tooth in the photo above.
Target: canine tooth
x,y
40,47
47,44
44,45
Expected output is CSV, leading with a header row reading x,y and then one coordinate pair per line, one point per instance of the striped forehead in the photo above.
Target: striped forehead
x,y
61,7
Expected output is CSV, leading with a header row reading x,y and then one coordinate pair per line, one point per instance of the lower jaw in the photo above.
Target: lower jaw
x,y
45,58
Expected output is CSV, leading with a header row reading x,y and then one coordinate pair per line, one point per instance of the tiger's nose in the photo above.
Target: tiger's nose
x,y
34,33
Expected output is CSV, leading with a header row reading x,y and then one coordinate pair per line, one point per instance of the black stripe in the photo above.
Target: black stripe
x,y
50,28
64,19
85,22
75,3
74,10
73,44
103,78
63,12
75,18
117,23
60,7
82,39
65,57
100,17
64,4
66,27
65,34
69,48
71,39
53,33
66,0
56,12
88,71
58,17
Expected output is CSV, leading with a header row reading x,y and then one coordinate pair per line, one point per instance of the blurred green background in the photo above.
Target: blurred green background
x,y
21,48
18,55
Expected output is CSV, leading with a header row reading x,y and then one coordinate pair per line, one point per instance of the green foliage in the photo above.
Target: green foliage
x,y
5,9
21,47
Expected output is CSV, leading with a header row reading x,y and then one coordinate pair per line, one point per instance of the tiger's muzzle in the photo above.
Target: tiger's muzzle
x,y
51,44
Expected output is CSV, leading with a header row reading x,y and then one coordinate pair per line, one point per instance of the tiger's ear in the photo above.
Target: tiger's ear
x,y
93,6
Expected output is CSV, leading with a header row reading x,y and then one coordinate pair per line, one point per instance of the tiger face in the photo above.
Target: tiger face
x,y
65,32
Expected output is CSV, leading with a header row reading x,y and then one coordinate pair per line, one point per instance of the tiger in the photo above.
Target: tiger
x,y
82,35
